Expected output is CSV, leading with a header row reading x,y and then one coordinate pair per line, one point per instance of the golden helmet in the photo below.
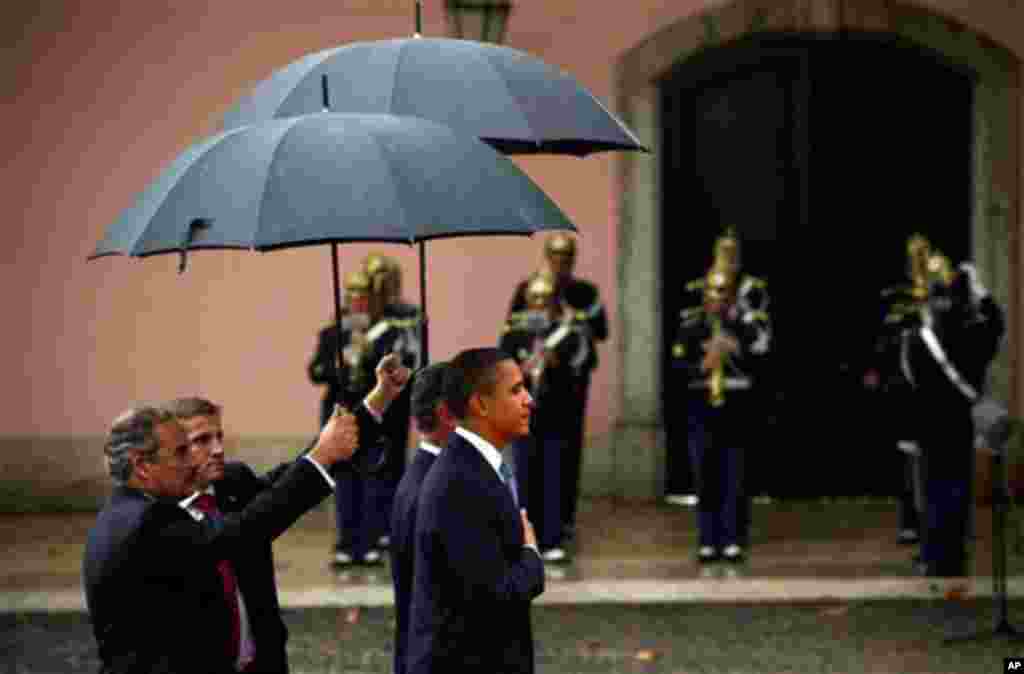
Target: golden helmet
x,y
384,273
357,283
940,268
560,244
374,263
540,288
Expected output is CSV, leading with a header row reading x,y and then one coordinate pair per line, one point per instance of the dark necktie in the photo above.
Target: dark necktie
x,y
208,505
509,478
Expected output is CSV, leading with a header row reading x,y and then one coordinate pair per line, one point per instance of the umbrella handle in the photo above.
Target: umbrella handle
x,y
194,228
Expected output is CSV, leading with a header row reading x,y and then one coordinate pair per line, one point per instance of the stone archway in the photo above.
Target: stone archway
x,y
639,448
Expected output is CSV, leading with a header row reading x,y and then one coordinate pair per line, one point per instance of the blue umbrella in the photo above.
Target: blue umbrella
x,y
328,179
512,100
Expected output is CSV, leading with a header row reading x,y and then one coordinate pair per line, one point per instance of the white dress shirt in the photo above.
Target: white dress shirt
x,y
430,448
247,644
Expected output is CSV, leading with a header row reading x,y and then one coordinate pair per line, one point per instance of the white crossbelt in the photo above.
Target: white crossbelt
x,y
932,342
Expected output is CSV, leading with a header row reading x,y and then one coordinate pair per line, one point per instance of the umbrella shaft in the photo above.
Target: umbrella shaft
x,y
424,342
337,315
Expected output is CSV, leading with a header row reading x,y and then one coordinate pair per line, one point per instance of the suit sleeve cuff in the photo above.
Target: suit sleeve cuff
x,y
323,471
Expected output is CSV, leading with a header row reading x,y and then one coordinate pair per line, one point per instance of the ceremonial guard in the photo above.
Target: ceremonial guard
x,y
551,347
902,307
720,350
366,337
946,359
583,300
403,320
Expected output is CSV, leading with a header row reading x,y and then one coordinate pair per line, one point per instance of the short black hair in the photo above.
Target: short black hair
x,y
427,392
472,371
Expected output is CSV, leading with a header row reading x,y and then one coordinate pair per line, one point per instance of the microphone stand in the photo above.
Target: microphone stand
x,y
1000,506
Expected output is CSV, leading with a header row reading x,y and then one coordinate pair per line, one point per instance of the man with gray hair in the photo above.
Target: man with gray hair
x,y
152,586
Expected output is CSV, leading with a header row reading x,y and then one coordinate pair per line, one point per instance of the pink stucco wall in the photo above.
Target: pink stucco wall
x,y
101,94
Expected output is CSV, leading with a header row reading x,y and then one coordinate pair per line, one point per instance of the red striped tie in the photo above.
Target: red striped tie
x,y
208,505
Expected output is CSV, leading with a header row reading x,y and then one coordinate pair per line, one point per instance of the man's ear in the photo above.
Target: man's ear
x,y
477,405
140,467
444,414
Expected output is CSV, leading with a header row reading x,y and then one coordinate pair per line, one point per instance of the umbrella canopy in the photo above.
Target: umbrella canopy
x,y
331,178
513,101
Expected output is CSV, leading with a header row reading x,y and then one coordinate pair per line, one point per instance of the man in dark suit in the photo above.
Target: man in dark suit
x,y
435,424
155,569
476,566
153,590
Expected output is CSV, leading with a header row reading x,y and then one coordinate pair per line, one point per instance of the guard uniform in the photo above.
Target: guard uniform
x,y
552,348
591,321
946,360
404,320
719,399
360,518
901,308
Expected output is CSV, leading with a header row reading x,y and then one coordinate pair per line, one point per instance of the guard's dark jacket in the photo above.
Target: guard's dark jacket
x,y
584,299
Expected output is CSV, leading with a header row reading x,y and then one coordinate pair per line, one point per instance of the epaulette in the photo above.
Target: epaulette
x,y
514,321
691,313
754,281
895,290
758,315
899,311
695,285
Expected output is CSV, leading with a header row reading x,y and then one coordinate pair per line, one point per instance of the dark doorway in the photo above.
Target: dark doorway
x,y
824,154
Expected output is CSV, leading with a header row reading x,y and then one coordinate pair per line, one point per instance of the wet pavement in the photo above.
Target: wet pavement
x,y
625,552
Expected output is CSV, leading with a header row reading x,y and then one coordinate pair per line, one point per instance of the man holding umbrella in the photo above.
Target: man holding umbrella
x,y
150,570
586,313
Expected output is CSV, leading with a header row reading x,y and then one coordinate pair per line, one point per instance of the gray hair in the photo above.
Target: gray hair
x,y
133,433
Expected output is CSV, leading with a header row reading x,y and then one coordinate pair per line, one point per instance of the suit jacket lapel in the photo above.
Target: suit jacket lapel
x,y
475,462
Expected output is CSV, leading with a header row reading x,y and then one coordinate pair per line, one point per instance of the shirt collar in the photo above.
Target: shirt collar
x,y
490,454
430,447
189,500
